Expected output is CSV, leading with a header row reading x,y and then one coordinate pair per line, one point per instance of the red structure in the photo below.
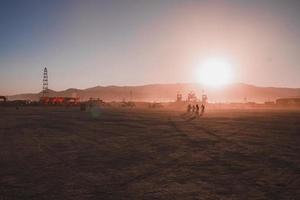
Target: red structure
x,y
59,100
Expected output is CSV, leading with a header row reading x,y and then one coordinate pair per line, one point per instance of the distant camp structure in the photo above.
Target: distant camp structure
x,y
128,104
295,101
192,97
45,99
95,102
269,103
182,101
4,102
59,100
179,97
3,99
155,105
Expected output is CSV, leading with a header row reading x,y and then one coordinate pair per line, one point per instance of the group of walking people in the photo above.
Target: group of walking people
x,y
196,109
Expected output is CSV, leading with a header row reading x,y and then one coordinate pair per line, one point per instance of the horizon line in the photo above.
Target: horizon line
x,y
149,84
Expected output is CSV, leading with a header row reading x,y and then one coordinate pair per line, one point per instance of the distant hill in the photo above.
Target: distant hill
x,y
237,92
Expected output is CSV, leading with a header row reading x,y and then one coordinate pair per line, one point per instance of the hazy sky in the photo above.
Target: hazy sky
x,y
86,43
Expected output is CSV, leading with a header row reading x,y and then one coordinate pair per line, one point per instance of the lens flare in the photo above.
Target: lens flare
x,y
215,73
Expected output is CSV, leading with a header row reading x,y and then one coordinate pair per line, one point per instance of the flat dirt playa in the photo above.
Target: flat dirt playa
x,y
59,153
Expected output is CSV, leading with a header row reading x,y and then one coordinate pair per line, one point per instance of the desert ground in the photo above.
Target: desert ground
x,y
120,153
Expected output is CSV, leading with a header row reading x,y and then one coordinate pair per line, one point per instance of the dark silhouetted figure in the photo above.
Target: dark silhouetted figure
x,y
193,109
197,109
202,109
189,108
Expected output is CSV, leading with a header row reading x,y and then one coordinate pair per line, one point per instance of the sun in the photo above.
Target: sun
x,y
215,72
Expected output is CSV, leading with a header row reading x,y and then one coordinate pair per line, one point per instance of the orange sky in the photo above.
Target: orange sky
x,y
88,43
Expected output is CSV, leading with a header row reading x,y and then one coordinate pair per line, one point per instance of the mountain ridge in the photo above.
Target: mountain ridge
x,y
237,92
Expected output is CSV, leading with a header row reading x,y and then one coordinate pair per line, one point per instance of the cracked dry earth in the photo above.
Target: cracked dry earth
x,y
59,153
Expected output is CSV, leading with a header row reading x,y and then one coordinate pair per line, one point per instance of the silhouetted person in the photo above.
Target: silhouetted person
x,y
197,109
202,109
189,108
193,109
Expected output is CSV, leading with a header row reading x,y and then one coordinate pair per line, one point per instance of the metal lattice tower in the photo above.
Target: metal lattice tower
x,y
45,82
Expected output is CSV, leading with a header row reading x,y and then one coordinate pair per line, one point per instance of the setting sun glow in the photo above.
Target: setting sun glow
x,y
215,73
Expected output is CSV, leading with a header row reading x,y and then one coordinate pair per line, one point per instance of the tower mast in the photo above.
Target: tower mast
x,y
45,82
